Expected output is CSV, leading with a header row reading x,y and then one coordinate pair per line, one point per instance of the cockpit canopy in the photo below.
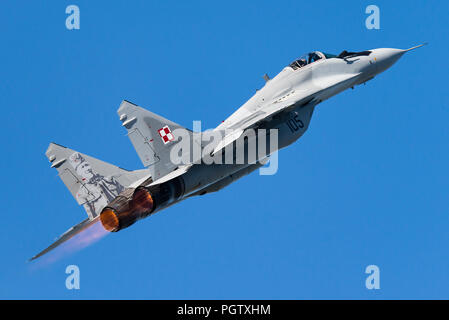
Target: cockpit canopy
x,y
308,59
317,55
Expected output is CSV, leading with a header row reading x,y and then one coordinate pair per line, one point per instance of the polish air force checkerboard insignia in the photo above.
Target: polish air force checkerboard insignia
x,y
166,134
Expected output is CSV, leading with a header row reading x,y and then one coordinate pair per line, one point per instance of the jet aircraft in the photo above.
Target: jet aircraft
x,y
118,198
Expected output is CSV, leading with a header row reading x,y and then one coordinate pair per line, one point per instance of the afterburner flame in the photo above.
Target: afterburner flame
x,y
85,238
122,212
109,220
142,201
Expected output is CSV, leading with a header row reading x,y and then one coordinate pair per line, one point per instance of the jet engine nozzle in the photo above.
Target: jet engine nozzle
x,y
124,211
135,204
142,201
119,213
109,220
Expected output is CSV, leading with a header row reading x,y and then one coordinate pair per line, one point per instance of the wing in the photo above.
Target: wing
x,y
283,104
69,234
292,100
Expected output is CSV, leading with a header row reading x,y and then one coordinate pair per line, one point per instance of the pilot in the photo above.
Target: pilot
x,y
302,62
313,57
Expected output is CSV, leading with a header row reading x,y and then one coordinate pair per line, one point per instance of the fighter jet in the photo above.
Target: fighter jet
x,y
284,106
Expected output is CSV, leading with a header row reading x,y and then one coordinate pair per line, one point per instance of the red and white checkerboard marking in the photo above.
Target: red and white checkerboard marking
x,y
166,134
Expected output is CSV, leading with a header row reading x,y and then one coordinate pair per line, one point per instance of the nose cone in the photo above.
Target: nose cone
x,y
384,58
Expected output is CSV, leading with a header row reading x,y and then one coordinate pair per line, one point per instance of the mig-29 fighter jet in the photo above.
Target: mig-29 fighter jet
x,y
284,106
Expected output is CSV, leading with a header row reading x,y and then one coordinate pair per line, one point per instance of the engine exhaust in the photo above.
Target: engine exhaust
x,y
135,204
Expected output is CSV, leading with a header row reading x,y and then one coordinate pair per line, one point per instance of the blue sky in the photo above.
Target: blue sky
x,y
367,184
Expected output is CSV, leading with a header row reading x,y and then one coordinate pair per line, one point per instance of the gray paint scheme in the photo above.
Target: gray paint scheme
x,y
294,92
142,127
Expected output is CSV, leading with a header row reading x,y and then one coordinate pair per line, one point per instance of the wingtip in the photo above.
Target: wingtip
x,y
73,231
32,259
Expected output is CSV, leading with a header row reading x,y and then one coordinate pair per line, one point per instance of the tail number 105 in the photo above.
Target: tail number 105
x,y
294,124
